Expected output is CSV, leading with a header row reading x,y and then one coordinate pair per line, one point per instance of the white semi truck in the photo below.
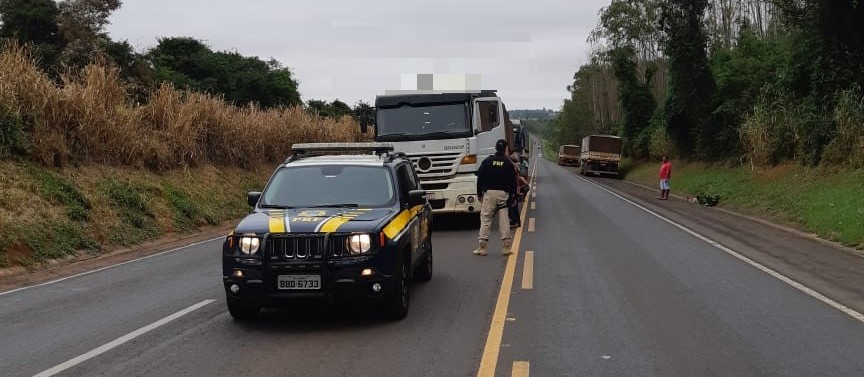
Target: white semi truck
x,y
447,135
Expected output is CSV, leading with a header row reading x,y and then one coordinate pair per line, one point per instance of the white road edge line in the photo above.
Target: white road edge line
x,y
801,287
108,267
119,341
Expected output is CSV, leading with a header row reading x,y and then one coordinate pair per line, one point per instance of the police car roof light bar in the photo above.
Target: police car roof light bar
x,y
318,149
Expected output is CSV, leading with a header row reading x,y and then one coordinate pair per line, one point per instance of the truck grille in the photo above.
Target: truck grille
x,y
294,247
436,166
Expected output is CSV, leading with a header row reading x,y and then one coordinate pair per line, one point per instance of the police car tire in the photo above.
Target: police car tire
x,y
424,270
396,305
242,311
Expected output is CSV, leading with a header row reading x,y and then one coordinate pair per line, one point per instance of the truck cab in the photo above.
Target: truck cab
x,y
568,155
446,135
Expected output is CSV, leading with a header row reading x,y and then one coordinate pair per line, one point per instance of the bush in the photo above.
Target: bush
x,y
659,142
13,134
708,200
847,146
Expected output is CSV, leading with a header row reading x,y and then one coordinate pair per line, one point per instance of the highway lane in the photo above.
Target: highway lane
x,y
442,336
614,291
618,292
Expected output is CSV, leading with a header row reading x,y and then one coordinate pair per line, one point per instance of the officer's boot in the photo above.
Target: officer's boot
x,y
481,249
505,249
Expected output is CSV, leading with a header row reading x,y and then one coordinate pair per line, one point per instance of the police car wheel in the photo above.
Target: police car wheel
x,y
424,271
242,311
396,306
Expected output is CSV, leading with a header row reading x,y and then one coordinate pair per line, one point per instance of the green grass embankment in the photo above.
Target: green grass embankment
x,y
49,214
827,203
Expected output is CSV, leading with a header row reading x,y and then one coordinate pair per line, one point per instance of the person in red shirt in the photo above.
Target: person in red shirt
x,y
665,176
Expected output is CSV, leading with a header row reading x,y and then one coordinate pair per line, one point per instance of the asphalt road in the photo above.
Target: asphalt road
x,y
614,291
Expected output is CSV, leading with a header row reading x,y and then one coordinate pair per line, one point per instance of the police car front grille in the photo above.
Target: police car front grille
x,y
293,247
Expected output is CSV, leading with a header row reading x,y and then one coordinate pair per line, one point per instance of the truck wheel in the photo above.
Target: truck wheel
x,y
396,305
242,311
424,270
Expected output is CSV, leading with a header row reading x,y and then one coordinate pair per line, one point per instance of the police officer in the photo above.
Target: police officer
x,y
496,186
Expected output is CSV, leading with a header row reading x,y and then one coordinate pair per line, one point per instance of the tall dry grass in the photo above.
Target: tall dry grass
x,y
847,147
89,118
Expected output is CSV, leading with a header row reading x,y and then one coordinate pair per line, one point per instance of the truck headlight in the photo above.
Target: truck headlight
x,y
359,243
249,245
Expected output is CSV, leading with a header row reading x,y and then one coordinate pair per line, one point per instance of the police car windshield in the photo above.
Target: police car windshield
x,y
422,122
330,186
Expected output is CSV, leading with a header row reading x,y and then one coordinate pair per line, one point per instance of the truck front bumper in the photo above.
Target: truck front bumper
x,y
459,196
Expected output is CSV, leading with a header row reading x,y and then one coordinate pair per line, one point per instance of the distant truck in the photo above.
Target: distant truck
x,y
568,155
521,145
600,154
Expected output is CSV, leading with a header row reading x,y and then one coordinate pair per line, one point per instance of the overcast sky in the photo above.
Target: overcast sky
x,y
353,50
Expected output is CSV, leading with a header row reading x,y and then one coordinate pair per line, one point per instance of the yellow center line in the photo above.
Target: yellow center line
x,y
531,225
520,369
489,360
528,271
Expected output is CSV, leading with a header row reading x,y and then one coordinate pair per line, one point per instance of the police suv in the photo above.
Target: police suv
x,y
336,220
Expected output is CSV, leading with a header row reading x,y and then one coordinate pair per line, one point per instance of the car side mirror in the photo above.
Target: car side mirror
x,y
416,197
252,198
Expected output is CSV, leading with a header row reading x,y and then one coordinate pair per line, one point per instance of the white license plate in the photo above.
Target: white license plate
x,y
431,195
299,282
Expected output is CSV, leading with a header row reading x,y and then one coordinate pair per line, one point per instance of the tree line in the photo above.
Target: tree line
x,y
748,81
69,35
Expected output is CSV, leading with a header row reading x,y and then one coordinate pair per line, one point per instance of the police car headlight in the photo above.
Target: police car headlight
x,y
249,245
359,243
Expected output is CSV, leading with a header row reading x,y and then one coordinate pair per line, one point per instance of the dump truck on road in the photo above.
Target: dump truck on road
x,y
601,154
568,155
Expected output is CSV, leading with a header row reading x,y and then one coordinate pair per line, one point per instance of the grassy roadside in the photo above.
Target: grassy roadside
x,y
827,203
48,214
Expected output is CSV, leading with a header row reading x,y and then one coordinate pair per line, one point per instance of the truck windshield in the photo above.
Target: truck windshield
x,y
438,121
569,150
329,185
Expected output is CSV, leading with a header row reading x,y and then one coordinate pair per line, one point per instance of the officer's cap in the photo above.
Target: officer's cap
x,y
501,145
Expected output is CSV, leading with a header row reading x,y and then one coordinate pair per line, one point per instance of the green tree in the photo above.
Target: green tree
x,y
333,109
830,48
82,24
189,63
637,102
691,84
362,108
33,21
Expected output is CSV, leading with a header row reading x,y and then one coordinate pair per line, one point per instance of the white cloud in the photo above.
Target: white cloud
x,y
354,50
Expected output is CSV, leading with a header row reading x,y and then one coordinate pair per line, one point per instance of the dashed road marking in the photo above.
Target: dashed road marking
x,y
533,205
531,225
528,271
520,369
